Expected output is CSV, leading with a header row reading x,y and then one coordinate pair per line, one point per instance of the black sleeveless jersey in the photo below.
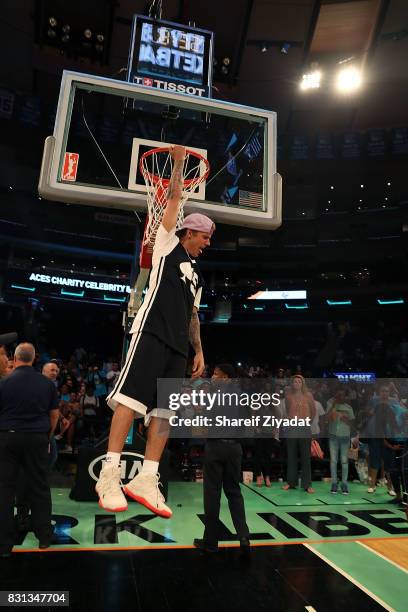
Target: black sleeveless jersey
x,y
175,286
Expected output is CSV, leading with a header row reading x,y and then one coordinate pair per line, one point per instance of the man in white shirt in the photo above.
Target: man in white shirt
x,y
165,324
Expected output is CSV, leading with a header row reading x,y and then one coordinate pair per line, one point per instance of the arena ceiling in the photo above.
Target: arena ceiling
x,y
371,33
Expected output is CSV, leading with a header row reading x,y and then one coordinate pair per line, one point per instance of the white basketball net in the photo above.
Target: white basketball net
x,y
156,168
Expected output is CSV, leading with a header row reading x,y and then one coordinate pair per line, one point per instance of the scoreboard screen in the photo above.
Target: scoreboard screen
x,y
170,56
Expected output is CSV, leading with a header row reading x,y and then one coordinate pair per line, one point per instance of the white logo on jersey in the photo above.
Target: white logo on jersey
x,y
187,272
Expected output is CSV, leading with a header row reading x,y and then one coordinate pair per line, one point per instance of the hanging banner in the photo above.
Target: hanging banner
x,y
324,146
299,148
6,103
30,111
400,140
351,146
375,143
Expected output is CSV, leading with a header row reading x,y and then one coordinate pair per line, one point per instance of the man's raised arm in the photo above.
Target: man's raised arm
x,y
175,189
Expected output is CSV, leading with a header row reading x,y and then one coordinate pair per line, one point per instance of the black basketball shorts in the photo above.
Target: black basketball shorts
x,y
148,359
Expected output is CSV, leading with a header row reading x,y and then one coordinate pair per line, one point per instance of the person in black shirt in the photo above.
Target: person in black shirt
x,y
222,470
28,414
164,325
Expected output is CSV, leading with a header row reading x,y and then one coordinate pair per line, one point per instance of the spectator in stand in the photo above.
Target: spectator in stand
x,y
3,364
373,420
89,405
112,376
340,416
10,366
65,394
51,371
97,378
299,403
69,412
281,380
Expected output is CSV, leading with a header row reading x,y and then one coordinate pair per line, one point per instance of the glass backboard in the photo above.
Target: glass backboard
x,y
103,126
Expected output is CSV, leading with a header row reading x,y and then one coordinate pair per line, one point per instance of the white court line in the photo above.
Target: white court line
x,y
353,580
403,569
310,609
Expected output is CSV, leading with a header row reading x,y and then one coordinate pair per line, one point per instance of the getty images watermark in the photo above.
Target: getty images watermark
x,y
216,410
253,408
220,399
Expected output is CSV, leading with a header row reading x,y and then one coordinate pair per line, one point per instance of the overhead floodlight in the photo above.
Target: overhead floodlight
x,y
285,48
311,80
348,80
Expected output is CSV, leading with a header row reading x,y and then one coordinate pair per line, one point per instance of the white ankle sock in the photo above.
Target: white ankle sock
x,y
112,460
150,467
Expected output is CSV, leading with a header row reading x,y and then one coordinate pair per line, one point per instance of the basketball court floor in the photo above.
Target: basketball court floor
x,y
309,552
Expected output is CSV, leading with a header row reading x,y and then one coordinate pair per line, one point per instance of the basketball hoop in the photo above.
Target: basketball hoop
x,y
156,167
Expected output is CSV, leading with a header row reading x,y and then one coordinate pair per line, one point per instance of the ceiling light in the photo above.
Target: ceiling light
x,y
331,186
88,33
226,61
52,21
100,38
264,49
362,186
389,184
285,48
311,80
348,80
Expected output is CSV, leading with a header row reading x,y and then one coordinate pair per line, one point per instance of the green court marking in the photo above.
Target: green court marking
x,y
378,576
281,519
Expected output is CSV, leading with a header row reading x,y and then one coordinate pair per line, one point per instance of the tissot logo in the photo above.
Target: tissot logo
x,y
130,465
169,86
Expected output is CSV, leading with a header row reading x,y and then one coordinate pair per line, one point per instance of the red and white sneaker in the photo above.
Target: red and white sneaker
x,y
109,490
144,488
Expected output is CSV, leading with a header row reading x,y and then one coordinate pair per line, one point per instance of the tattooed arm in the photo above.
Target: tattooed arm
x,y
175,189
195,339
